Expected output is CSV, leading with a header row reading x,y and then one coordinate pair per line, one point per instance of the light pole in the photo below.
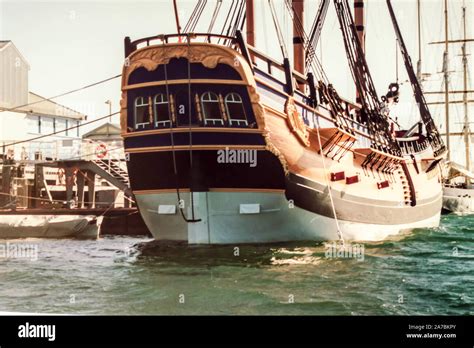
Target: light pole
x,y
109,102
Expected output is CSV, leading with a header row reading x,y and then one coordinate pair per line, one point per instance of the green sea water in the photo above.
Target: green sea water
x,y
423,272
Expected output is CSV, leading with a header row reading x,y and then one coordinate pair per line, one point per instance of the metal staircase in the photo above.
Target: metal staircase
x,y
111,171
114,169
109,164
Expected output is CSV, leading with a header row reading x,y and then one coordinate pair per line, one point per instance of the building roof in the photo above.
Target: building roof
x,y
6,43
3,43
105,131
39,105
456,170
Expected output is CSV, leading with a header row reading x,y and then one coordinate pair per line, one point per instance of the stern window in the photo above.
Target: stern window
x,y
235,109
142,112
211,109
162,110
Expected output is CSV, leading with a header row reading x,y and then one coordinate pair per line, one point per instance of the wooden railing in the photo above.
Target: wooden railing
x,y
272,65
131,46
412,145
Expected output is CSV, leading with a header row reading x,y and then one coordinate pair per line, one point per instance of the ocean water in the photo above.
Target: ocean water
x,y
426,271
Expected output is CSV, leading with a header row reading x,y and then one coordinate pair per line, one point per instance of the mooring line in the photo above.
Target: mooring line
x,y
339,232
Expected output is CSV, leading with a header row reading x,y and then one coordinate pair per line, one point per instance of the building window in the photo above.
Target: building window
x,y
47,125
34,124
61,125
162,110
142,112
211,109
77,129
67,128
235,109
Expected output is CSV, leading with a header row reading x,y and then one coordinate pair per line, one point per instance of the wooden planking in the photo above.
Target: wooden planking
x,y
327,133
184,81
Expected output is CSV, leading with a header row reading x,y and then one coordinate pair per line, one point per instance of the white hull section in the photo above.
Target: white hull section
x,y
458,200
253,217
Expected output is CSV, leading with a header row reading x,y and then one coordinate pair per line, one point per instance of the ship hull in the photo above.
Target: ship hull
x,y
304,170
265,217
458,200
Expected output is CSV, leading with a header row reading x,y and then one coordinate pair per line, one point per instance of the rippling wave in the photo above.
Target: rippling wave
x,y
425,271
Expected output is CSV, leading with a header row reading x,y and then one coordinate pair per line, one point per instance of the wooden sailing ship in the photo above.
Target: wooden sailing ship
x,y
326,168
458,195
458,189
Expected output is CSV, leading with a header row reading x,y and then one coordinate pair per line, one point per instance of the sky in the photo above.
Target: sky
x,y
70,44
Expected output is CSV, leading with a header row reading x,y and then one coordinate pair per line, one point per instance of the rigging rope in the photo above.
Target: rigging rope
x,y
264,23
60,131
235,19
281,40
239,19
233,10
315,32
310,49
173,151
60,95
175,167
195,16
227,17
214,15
193,219
55,200
377,120
191,17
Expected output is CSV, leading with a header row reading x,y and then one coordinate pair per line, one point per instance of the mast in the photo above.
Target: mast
x,y
359,21
250,13
431,130
360,28
298,48
446,78
465,102
418,65
176,16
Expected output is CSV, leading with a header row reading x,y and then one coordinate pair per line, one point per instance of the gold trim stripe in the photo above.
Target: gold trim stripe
x,y
184,81
144,192
194,147
193,129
